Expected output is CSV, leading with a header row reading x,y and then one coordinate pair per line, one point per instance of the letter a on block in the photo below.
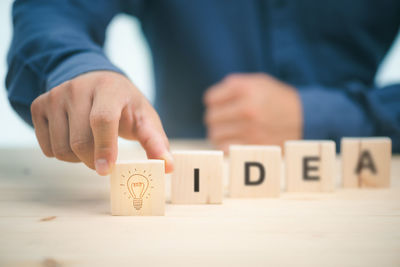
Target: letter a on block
x,y
255,171
310,166
366,162
138,188
197,177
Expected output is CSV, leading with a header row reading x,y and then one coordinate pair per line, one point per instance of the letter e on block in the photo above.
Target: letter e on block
x,y
197,177
255,171
310,166
138,188
366,162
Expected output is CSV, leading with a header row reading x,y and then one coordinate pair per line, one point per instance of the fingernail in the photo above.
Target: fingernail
x,y
167,157
102,167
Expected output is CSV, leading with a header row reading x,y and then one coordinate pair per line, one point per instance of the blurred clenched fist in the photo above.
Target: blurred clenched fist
x,y
252,109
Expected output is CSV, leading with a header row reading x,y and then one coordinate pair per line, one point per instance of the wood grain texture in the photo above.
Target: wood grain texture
x,y
270,158
209,168
348,227
379,152
321,167
138,188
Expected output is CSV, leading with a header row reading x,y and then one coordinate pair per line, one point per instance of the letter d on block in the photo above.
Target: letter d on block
x,y
261,169
255,171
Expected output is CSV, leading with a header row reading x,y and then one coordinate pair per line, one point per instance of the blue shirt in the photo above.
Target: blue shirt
x,y
329,50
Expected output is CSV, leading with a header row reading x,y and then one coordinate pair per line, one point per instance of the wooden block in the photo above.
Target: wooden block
x,y
197,177
366,162
138,188
255,171
310,166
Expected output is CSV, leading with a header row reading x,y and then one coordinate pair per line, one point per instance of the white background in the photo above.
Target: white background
x,y
127,49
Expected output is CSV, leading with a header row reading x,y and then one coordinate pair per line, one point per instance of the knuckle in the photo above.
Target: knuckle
x,y
147,141
53,98
107,150
102,117
105,78
55,95
63,153
72,90
252,92
241,90
81,146
35,107
249,112
104,150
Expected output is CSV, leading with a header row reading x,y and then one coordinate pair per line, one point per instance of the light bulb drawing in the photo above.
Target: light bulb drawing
x,y
137,185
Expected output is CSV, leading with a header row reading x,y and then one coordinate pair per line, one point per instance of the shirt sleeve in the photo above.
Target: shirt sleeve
x,y
332,113
54,41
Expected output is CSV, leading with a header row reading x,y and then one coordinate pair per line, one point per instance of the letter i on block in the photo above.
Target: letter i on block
x,y
255,171
138,188
197,177
366,162
310,166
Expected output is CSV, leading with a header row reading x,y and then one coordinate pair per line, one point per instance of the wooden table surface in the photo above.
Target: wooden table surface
x,y
58,214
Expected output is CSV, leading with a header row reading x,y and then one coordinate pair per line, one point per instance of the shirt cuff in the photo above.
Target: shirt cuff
x,y
78,64
330,113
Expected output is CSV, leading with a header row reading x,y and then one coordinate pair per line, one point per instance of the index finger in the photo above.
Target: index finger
x,y
104,121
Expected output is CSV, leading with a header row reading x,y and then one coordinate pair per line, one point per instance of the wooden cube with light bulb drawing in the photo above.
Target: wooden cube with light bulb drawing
x,y
138,188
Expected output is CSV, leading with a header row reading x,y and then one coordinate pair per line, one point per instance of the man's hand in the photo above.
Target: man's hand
x,y
252,109
81,119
